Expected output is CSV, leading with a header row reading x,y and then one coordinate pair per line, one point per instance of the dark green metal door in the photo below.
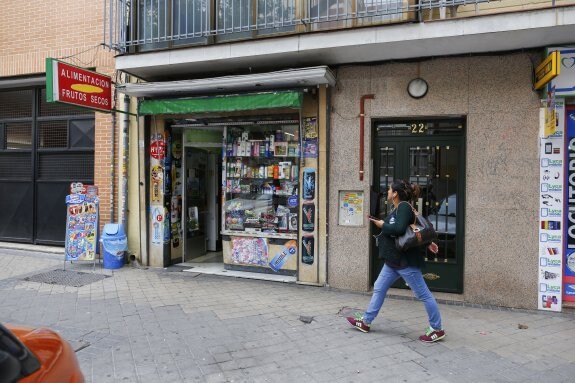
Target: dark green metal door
x,y
430,153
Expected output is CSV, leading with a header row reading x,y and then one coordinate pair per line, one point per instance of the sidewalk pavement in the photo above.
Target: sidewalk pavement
x,y
160,325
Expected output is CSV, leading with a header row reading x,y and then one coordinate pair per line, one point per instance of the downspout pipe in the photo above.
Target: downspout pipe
x,y
361,130
112,169
125,160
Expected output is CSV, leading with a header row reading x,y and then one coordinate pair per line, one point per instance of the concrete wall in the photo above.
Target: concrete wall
x,y
501,223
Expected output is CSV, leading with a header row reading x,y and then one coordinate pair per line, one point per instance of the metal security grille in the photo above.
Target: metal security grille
x,y
16,104
53,134
43,148
16,166
47,109
65,166
18,135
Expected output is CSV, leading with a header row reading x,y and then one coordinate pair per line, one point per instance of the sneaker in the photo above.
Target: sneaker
x,y
357,322
432,335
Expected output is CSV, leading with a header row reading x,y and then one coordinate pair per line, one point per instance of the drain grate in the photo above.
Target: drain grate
x,y
66,278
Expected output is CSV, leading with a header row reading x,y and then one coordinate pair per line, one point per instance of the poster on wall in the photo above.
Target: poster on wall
x,y
157,215
281,257
250,251
81,223
569,230
551,210
310,129
307,251
564,84
351,208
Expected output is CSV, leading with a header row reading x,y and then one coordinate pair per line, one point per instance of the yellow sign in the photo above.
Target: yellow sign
x,y
547,70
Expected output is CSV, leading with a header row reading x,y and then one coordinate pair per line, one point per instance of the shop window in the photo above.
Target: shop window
x,y
262,179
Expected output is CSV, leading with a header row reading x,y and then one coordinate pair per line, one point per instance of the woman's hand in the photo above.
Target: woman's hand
x,y
376,222
433,247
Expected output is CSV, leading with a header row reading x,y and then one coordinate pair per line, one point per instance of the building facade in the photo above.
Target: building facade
x,y
44,147
348,95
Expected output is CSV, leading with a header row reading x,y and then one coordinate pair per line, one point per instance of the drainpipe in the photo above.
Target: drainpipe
x,y
361,130
125,160
113,166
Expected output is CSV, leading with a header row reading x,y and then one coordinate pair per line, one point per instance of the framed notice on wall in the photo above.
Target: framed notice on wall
x,y
351,211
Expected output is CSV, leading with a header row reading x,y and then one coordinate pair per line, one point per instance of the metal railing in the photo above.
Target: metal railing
x,y
160,24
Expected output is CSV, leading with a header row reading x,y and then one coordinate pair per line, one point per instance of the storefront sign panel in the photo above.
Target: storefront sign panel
x,y
564,83
569,259
551,198
547,70
72,85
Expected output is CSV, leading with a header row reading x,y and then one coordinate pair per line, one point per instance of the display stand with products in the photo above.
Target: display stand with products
x,y
260,191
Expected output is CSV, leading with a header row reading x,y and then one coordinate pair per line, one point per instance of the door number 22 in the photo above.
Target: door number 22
x,y
417,128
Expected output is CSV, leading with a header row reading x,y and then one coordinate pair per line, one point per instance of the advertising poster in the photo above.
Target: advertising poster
x,y
157,225
81,224
281,257
308,217
351,208
569,230
307,251
310,129
250,251
308,184
551,199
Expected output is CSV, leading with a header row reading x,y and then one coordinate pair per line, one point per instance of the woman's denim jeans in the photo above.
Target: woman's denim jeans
x,y
413,277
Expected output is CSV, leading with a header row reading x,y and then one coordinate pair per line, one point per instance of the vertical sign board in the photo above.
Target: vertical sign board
x,y
81,223
157,174
569,259
77,86
551,216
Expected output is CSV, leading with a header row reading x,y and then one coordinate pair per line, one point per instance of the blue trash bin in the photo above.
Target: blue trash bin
x,y
114,244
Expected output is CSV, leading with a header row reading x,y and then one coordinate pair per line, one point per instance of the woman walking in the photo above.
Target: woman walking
x,y
404,264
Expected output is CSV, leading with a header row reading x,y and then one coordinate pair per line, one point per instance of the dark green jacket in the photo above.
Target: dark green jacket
x,y
395,225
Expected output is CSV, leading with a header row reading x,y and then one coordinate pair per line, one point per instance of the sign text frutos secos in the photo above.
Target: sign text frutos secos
x,y
72,85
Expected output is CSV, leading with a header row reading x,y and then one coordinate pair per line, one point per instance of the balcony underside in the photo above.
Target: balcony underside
x,y
493,33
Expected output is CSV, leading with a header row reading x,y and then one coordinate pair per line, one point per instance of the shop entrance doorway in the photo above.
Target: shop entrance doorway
x,y
201,202
431,153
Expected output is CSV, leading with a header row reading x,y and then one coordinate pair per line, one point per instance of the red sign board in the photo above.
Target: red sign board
x,y
72,85
158,149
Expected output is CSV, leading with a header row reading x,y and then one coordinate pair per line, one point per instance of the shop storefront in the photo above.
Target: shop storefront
x,y
237,179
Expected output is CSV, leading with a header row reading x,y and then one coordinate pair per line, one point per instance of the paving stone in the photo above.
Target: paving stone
x,y
153,326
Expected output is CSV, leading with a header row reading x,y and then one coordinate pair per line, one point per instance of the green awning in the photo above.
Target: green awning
x,y
225,103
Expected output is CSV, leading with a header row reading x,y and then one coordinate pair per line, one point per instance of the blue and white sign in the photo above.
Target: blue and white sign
x,y
564,83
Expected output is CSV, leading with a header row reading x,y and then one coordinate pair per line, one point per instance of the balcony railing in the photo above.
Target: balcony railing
x,y
143,25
